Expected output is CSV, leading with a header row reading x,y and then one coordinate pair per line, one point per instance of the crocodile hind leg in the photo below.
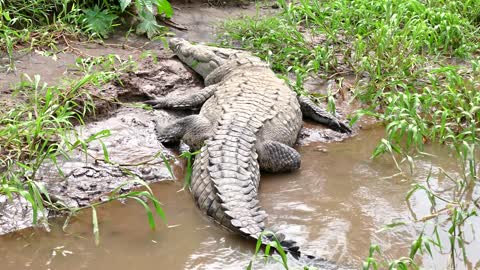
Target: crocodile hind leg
x,y
191,101
193,130
277,157
312,111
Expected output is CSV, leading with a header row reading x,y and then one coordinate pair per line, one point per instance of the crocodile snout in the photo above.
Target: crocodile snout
x,y
174,43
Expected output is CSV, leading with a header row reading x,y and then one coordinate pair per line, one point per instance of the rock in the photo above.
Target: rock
x,y
321,149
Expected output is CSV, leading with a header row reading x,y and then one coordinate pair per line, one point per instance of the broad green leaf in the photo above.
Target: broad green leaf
x,y
145,6
105,152
164,7
158,209
124,4
167,164
148,25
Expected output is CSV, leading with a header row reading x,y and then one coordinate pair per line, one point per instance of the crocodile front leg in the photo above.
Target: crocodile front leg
x,y
191,101
193,130
277,157
312,111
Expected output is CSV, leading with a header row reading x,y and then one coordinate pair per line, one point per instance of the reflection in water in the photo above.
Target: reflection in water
x,y
335,207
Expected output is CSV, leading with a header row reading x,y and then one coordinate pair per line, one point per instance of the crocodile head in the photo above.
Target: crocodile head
x,y
201,58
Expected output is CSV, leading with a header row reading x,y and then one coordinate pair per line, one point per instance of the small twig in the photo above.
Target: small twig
x,y
73,49
145,162
123,45
476,203
173,24
434,215
339,73
392,176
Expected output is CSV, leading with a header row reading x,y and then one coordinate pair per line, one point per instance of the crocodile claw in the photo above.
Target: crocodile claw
x,y
150,102
340,127
155,103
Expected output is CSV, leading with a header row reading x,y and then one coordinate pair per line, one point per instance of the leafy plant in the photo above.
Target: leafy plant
x,y
98,22
26,24
148,25
146,12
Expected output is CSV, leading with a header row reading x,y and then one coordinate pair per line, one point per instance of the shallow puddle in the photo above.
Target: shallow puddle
x,y
334,206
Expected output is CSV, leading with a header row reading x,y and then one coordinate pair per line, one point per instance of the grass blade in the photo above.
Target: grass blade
x,y
96,231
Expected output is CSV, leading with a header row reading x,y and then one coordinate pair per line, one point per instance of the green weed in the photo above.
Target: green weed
x,y
275,243
188,174
404,263
393,43
140,196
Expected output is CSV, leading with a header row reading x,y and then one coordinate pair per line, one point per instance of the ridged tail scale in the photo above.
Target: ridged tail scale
x,y
226,176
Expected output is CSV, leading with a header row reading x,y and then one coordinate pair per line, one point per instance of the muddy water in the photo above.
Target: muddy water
x,y
334,206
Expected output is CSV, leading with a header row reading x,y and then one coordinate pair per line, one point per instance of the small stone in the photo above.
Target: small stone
x,y
145,170
321,149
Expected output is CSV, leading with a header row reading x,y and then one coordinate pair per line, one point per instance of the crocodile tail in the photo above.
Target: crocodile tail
x,y
289,246
226,176
292,247
225,180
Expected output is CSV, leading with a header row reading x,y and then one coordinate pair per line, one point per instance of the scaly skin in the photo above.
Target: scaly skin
x,y
245,111
249,121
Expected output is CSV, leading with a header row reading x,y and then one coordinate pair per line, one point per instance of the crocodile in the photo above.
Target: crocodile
x,y
249,120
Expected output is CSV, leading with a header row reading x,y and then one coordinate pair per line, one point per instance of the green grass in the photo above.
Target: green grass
x,y
26,24
273,242
417,69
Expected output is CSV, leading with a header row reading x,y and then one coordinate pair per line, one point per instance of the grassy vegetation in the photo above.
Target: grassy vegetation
x,y
417,69
26,24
